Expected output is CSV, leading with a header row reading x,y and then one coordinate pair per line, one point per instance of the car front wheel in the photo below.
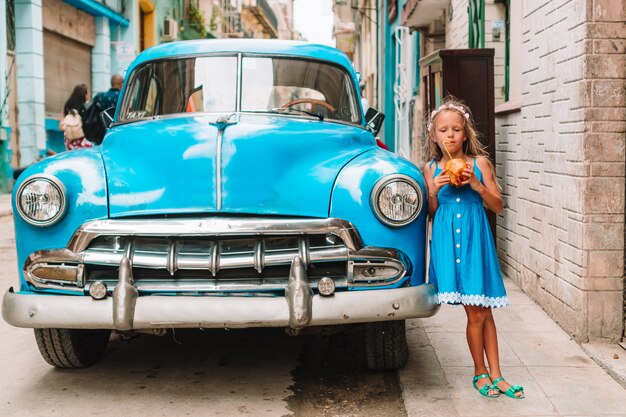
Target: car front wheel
x,y
72,348
385,345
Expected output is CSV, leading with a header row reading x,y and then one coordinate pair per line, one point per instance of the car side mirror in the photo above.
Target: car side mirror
x,y
374,120
106,116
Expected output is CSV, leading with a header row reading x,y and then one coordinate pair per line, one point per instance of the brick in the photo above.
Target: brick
x,y
605,113
607,93
605,264
608,169
604,236
606,147
605,315
609,11
605,31
618,127
605,66
609,46
604,284
604,195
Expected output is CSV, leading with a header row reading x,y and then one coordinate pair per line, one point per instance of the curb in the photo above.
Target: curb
x,y
611,357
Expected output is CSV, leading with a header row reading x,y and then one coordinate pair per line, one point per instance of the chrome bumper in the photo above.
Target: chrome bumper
x,y
150,312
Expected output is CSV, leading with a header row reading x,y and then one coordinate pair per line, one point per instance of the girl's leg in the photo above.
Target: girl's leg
x,y
475,340
490,342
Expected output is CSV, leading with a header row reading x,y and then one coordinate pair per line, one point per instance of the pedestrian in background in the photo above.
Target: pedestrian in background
x,y
93,126
71,122
463,261
109,98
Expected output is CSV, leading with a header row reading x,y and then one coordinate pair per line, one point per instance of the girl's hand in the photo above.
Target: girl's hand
x,y
470,178
440,180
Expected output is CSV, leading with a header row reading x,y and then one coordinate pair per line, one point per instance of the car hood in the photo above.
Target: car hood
x,y
266,165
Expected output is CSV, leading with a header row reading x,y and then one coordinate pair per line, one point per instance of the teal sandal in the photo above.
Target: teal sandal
x,y
513,389
484,390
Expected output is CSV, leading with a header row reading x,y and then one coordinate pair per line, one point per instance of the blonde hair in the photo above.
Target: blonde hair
x,y
472,146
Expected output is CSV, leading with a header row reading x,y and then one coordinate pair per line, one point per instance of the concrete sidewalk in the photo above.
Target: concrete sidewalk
x,y
558,376
5,205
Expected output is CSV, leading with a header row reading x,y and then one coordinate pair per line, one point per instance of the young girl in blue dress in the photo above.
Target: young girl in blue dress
x,y
463,261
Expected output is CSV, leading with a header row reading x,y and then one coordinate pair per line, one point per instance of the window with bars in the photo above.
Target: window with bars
x,y
476,12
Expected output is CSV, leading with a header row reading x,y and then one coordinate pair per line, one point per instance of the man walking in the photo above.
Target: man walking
x,y
92,124
109,98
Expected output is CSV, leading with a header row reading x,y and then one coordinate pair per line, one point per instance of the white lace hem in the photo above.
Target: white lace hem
x,y
472,299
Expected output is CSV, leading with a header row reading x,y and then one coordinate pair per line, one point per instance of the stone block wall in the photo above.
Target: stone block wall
x,y
561,164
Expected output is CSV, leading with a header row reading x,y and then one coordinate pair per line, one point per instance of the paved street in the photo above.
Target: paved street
x,y
266,373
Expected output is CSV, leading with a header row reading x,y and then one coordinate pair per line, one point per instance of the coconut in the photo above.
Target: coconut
x,y
454,168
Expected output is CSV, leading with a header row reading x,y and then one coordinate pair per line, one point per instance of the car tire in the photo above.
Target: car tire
x,y
72,348
385,345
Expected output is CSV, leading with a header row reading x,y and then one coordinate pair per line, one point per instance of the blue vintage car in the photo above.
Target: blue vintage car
x,y
238,185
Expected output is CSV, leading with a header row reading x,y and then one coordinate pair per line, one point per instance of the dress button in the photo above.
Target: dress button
x,y
458,199
458,245
458,261
458,215
458,230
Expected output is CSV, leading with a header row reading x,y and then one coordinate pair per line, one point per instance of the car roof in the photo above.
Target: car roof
x,y
252,46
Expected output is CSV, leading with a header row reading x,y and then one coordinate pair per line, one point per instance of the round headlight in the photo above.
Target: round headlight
x,y
397,200
40,200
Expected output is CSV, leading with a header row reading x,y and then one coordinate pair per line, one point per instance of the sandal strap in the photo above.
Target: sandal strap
x,y
516,388
495,381
477,377
487,388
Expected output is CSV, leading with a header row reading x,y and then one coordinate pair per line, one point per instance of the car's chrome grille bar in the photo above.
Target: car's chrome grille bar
x,y
212,255
215,254
222,227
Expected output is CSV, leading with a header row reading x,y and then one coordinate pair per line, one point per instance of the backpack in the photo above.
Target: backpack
x,y
92,125
72,125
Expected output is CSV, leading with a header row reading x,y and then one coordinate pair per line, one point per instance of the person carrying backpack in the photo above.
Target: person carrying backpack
x,y
71,122
92,124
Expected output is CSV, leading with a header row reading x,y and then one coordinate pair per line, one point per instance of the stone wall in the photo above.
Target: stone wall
x,y
561,165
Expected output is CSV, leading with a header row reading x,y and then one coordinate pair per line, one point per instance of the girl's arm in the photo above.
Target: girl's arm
x,y
489,190
433,185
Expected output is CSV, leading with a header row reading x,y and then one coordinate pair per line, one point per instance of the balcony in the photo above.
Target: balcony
x,y
420,13
264,14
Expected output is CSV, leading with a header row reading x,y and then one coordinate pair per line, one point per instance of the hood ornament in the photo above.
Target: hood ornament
x,y
225,120
221,123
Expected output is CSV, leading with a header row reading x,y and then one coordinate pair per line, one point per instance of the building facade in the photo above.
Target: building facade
x,y
560,96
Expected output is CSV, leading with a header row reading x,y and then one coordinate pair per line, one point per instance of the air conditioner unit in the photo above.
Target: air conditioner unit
x,y
170,29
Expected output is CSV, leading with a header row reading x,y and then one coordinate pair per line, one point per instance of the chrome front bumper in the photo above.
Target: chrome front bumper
x,y
150,312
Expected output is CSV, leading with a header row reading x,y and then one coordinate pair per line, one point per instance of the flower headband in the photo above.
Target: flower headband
x,y
448,106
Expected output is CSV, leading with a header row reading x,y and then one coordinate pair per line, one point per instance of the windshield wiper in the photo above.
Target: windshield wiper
x,y
281,110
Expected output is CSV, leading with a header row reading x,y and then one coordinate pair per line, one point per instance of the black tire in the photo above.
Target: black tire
x,y
70,348
385,345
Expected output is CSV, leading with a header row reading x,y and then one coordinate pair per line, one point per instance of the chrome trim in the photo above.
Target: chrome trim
x,y
381,184
169,254
299,295
239,82
56,183
214,226
124,298
218,169
152,312
259,255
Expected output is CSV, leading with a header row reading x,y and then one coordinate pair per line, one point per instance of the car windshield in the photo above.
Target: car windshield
x,y
297,86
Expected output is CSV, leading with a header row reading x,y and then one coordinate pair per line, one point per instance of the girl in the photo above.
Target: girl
x,y
74,105
463,261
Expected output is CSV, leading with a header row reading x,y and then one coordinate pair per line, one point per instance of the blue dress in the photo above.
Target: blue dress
x,y
463,261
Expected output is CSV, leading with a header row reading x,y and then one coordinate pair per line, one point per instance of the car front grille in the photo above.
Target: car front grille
x,y
215,255
214,264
